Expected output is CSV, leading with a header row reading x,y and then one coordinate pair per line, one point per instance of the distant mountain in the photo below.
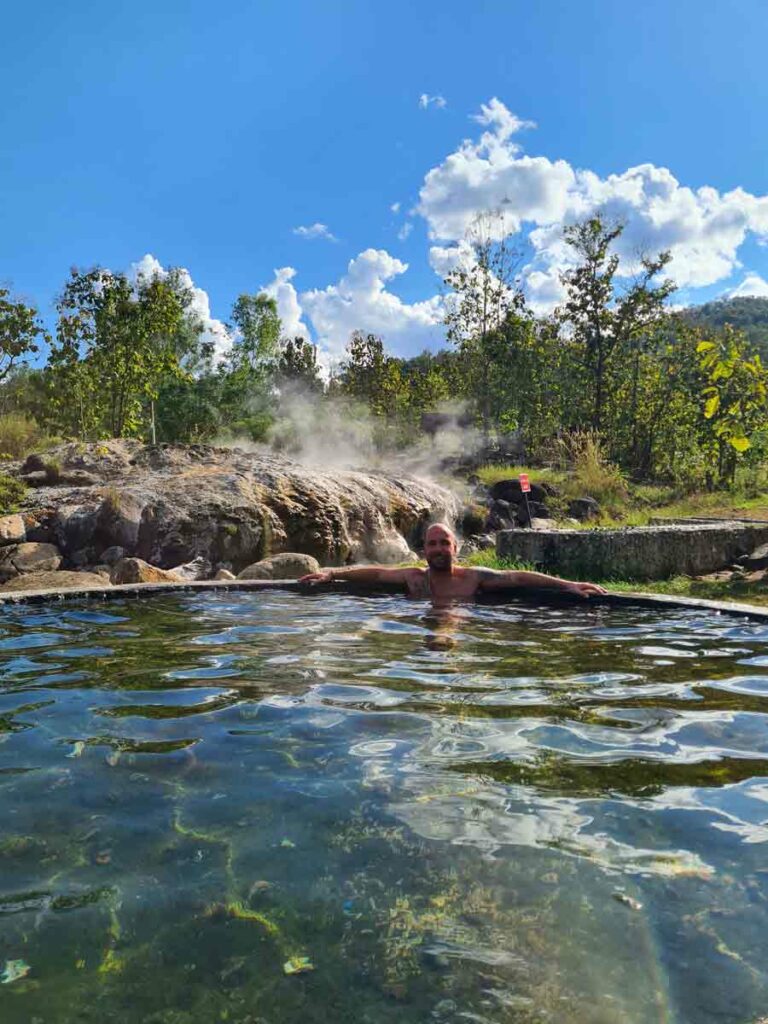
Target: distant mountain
x,y
747,314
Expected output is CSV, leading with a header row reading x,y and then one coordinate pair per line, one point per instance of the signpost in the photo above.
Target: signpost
x,y
525,487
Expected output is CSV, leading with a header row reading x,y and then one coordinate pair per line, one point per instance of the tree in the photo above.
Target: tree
x,y
297,365
20,329
484,296
601,320
734,395
113,348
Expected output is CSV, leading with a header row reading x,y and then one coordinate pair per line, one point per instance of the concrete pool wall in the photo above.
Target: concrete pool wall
x,y
635,553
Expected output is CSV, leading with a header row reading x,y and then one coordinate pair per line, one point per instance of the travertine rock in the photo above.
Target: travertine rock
x,y
170,504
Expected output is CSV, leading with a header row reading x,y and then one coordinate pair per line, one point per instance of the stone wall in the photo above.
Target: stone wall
x,y
638,553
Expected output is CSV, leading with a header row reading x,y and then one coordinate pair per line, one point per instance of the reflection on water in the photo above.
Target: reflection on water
x,y
272,808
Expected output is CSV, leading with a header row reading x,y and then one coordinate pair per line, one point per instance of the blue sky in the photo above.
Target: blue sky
x,y
206,134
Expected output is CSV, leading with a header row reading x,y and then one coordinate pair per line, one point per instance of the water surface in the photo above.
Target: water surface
x,y
497,815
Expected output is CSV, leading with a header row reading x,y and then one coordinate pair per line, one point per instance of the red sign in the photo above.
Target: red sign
x,y
525,483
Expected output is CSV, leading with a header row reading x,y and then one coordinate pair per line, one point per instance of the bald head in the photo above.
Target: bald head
x,y
440,547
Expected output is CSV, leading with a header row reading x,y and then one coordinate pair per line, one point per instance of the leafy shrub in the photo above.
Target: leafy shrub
x,y
12,492
20,435
592,474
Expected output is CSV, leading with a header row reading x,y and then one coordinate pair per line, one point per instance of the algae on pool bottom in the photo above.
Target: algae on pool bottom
x,y
275,809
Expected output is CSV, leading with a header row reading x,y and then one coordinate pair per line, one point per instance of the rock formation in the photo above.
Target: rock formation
x,y
170,505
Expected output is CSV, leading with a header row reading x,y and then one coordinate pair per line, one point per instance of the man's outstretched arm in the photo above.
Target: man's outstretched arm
x,y
359,574
493,579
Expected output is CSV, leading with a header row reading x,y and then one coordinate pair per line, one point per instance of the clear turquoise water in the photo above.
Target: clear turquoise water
x,y
498,814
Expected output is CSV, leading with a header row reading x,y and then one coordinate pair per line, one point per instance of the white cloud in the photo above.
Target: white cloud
x,y
361,301
703,228
395,207
753,286
288,307
405,231
214,331
425,101
316,230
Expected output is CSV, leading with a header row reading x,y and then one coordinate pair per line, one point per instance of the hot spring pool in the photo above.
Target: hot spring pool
x,y
500,814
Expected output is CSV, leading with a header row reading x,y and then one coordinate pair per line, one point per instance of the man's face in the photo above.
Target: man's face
x,y
439,548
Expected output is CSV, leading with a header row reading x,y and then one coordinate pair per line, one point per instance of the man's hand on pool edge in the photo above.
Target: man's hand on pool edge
x,y
324,576
584,589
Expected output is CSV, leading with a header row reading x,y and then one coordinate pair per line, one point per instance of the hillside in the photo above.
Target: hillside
x,y
747,314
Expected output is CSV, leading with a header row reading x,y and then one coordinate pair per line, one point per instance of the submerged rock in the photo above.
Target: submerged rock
x,y
170,504
288,566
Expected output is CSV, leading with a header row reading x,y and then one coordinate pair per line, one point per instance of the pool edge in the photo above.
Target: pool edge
x,y
139,590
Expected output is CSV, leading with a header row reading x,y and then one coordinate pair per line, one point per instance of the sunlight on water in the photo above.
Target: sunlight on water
x,y
268,808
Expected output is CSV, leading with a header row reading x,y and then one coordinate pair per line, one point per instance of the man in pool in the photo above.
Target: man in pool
x,y
443,580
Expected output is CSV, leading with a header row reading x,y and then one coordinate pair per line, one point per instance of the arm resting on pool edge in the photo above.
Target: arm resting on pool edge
x,y
493,579
358,574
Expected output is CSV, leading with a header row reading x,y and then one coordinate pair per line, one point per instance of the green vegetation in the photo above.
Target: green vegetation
x,y
614,390
12,493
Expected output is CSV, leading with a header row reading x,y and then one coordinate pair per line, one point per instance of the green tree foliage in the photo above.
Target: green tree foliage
x,y
114,347
484,298
664,395
20,330
734,393
605,323
297,366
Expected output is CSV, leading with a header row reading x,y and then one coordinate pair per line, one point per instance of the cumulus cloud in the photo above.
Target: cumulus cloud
x,y
703,228
395,207
425,101
753,286
289,309
405,231
316,230
214,331
360,300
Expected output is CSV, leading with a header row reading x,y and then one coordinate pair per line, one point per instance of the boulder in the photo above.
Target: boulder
x,y
757,559
288,566
110,556
135,570
34,463
537,511
225,574
39,478
510,490
198,569
62,580
584,509
16,559
12,530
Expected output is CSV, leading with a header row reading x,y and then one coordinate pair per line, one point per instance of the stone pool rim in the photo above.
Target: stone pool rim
x,y
543,596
